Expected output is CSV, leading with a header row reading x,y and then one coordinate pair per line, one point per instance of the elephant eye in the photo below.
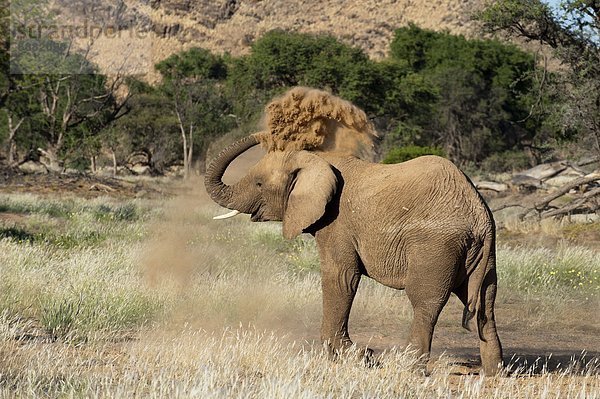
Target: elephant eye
x,y
258,184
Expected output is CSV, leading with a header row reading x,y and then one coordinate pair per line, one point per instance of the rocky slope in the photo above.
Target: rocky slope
x,y
232,25
151,30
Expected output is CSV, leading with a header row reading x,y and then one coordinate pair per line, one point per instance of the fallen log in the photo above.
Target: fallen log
x,y
491,185
583,202
102,187
545,170
588,161
566,188
578,204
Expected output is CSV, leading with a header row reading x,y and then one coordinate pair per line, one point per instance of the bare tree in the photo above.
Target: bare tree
x,y
187,139
11,144
72,101
195,103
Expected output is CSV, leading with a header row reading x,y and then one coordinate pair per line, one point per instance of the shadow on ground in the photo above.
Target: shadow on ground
x,y
527,362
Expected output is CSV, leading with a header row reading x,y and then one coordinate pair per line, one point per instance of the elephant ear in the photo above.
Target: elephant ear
x,y
314,185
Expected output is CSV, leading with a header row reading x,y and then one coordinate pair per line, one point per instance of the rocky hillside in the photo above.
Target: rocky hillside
x,y
162,27
232,25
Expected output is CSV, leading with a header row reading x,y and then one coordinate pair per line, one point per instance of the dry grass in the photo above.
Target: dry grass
x,y
107,298
549,232
245,362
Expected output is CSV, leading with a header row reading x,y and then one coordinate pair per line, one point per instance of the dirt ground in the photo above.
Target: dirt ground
x,y
554,348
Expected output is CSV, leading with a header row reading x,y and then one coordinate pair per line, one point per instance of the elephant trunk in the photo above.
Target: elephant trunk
x,y
220,192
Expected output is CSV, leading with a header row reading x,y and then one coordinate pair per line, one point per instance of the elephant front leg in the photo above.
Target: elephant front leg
x,y
339,288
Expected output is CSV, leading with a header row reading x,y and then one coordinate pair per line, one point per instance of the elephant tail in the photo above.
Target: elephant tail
x,y
484,262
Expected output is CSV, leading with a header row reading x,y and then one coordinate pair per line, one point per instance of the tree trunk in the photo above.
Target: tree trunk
x,y
186,160
190,151
51,154
114,161
93,163
12,153
12,145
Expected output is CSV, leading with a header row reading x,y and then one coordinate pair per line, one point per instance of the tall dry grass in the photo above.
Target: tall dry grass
x,y
109,298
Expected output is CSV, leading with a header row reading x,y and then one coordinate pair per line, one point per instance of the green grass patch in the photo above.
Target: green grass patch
x,y
72,265
125,212
101,208
582,230
30,204
65,240
74,223
270,236
560,272
80,315
77,293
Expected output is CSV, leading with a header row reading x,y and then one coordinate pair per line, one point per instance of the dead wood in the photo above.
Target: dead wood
x,y
505,206
566,188
584,202
102,187
581,203
589,161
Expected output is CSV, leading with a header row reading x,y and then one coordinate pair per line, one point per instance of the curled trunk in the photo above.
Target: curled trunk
x,y
220,192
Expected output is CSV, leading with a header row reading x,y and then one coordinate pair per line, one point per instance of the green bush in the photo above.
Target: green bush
x,y
507,161
485,91
402,154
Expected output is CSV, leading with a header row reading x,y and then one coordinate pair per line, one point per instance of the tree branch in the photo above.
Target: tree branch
x,y
565,189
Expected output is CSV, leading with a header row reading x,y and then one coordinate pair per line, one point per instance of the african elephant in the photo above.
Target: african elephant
x,y
419,225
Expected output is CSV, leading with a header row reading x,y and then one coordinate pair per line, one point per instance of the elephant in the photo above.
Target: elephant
x,y
419,226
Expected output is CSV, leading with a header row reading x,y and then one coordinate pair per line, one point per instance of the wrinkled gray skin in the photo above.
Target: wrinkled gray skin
x,y
419,226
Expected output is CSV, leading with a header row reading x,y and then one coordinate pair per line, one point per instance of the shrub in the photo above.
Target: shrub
x,y
507,161
402,154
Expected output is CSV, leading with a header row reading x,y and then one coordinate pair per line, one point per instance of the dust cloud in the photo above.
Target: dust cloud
x,y
222,274
314,120
167,254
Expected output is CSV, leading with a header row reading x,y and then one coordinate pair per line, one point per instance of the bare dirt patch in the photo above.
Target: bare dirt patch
x,y
81,185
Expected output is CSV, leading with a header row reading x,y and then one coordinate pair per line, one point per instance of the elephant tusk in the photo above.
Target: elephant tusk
x,y
227,215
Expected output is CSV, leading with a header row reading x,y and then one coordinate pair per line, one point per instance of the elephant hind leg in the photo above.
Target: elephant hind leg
x,y
427,301
489,344
429,283
426,312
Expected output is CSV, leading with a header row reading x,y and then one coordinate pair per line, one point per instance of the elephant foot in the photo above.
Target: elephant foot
x,y
492,367
491,356
421,360
422,366
349,350
369,359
